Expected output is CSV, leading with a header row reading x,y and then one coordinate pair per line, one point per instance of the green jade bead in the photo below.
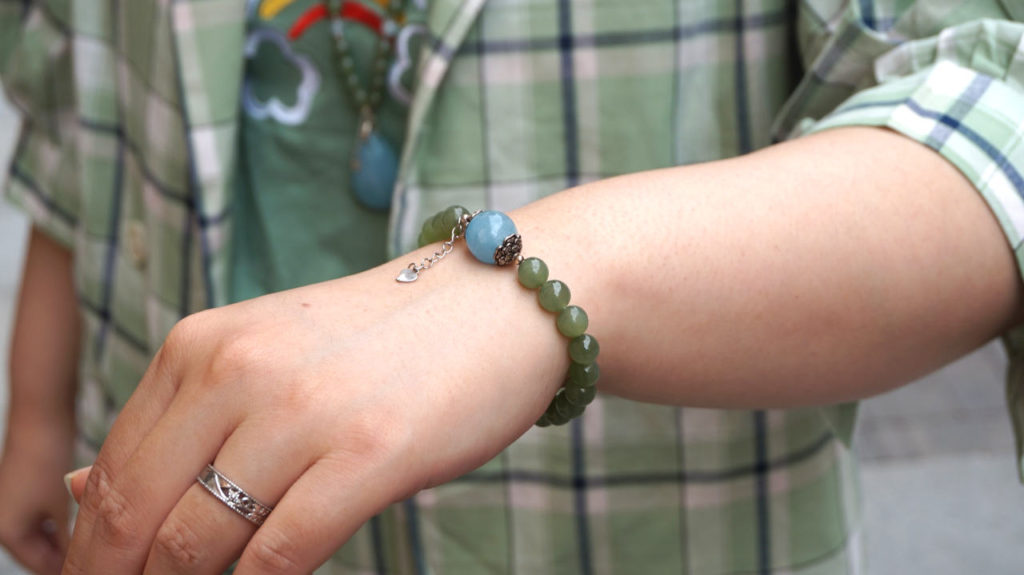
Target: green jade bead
x,y
552,414
557,420
533,272
584,349
553,295
572,322
580,396
565,409
427,234
543,420
451,216
584,375
437,230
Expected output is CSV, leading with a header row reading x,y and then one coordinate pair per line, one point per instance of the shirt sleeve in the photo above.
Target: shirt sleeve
x,y
948,76
36,72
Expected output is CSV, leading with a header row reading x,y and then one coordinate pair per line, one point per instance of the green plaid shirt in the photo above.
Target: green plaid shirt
x,y
129,150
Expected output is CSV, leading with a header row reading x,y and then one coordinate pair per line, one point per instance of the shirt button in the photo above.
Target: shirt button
x,y
137,243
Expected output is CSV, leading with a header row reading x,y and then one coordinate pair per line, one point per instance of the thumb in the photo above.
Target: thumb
x,y
75,482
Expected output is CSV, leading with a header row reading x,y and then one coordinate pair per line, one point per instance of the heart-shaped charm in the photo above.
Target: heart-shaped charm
x,y
407,275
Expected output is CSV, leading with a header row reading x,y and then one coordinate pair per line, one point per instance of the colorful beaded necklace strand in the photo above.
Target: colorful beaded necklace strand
x,y
374,164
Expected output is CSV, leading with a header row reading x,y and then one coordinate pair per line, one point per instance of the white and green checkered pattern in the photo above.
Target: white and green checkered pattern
x,y
129,156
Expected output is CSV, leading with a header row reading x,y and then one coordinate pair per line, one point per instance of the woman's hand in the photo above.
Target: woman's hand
x,y
34,504
329,402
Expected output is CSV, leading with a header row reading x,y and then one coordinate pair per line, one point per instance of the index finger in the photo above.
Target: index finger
x,y
125,507
151,399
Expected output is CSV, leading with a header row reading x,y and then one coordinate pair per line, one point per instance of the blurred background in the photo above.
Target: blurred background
x,y
941,494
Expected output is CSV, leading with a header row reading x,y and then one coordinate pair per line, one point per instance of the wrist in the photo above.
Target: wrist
x,y
493,240
41,407
485,303
49,455
38,428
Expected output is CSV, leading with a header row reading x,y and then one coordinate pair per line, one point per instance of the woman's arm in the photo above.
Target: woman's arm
x,y
820,270
816,271
40,421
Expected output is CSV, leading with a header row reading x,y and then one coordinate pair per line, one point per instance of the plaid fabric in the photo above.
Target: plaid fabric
x,y
128,155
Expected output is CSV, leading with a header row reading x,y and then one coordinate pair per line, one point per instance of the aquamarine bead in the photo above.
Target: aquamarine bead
x,y
374,181
486,232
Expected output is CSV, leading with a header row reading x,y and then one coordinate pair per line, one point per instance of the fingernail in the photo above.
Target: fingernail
x,y
67,482
71,477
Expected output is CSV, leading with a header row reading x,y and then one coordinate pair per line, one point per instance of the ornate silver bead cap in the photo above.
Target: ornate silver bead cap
x,y
508,251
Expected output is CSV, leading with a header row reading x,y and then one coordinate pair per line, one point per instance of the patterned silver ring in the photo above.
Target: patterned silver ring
x,y
234,496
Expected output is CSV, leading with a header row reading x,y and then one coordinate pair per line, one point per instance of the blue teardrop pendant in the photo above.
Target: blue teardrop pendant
x,y
374,170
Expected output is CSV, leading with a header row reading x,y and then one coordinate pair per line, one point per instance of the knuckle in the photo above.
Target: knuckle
x,y
299,399
273,553
376,437
183,339
232,357
185,333
179,545
97,484
115,522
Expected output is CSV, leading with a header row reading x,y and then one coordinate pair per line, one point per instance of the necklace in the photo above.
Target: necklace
x,y
374,164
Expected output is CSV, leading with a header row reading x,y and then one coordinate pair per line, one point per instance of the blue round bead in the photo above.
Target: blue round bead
x,y
486,232
374,181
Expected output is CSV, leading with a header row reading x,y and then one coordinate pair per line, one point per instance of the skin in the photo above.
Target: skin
x,y
840,277
40,426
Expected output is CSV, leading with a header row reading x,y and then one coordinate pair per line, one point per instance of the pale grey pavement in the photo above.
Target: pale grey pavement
x,y
941,495
940,484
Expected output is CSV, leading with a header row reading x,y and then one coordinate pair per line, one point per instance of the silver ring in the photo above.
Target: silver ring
x,y
234,496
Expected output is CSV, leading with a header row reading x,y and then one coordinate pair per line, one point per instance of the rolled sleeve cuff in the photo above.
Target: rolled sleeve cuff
x,y
38,184
973,120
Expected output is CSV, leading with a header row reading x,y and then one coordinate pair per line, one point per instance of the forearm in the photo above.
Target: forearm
x,y
44,350
40,424
820,270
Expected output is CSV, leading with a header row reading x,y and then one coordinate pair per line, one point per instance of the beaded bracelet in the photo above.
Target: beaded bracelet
x,y
492,238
